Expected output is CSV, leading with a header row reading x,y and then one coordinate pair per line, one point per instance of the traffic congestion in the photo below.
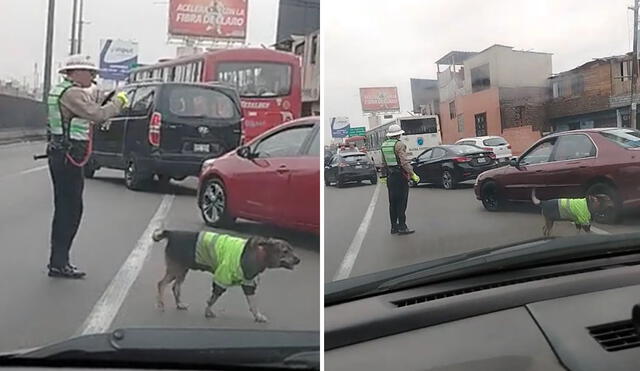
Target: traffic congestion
x,y
175,187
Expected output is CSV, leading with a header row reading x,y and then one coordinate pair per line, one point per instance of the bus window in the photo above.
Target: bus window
x,y
419,126
256,79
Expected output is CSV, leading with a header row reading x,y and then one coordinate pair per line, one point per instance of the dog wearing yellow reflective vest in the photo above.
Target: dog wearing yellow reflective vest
x,y
577,210
233,261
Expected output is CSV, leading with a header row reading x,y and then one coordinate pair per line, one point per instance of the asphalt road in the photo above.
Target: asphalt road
x,y
446,223
36,310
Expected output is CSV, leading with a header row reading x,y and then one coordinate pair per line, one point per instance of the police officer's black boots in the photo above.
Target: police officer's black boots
x,y
405,230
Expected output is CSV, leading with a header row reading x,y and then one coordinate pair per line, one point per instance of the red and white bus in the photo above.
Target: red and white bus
x,y
268,82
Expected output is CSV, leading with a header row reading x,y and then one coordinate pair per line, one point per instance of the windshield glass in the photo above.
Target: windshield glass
x,y
419,126
524,95
494,142
201,102
354,158
625,138
256,79
101,230
464,149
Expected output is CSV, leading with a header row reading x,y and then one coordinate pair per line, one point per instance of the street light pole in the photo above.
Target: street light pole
x,y
73,27
634,64
46,86
80,24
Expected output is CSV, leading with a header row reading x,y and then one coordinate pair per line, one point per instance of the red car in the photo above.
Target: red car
x,y
275,178
570,164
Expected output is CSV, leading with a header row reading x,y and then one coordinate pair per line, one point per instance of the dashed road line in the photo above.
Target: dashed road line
x,y
354,248
107,307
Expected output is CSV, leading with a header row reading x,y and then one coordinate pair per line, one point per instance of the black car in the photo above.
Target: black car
x,y
350,167
451,164
167,131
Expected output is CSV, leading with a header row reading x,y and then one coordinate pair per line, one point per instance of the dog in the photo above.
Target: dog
x,y
557,209
234,261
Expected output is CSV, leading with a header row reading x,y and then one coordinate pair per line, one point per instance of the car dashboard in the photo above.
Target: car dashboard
x,y
535,319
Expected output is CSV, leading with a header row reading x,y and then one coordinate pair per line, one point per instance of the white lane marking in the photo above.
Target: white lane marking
x,y
23,172
352,252
107,307
599,231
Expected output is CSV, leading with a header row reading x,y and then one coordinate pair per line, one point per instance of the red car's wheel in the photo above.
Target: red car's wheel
x,y
611,208
213,204
491,198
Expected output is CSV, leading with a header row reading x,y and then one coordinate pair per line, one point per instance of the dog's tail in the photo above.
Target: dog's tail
x,y
534,199
159,234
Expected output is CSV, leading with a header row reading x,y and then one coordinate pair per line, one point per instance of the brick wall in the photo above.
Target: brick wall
x,y
520,138
523,107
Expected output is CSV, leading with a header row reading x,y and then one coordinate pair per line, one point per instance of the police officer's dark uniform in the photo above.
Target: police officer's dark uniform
x,y
397,170
72,110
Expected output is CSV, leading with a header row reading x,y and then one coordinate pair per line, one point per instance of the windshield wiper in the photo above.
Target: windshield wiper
x,y
528,254
180,348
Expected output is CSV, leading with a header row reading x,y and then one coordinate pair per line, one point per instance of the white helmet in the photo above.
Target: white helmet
x,y
394,130
78,62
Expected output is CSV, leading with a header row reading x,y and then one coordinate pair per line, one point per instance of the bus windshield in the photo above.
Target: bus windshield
x,y
425,125
256,79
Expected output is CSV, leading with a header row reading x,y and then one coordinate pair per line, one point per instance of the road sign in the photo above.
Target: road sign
x,y
357,131
116,58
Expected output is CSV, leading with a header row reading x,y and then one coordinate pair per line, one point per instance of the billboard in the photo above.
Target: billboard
x,y
339,127
383,99
117,57
214,19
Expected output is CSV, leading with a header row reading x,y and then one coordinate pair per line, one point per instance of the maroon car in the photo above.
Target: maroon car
x,y
570,164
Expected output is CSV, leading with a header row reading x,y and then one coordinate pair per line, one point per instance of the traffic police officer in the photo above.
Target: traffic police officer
x,y
72,111
396,173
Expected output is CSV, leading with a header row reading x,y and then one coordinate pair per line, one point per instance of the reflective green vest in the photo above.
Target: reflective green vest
x,y
389,152
78,129
222,254
575,209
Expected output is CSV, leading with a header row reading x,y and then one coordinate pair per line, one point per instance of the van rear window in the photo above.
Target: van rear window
x,y
191,101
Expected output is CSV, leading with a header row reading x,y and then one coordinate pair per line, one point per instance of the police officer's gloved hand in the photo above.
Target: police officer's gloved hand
x,y
415,178
122,97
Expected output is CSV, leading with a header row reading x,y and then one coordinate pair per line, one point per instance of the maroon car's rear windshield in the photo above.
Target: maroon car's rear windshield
x,y
626,138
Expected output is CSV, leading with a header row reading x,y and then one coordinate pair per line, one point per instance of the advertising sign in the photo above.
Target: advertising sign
x,y
117,57
379,99
357,131
339,127
215,19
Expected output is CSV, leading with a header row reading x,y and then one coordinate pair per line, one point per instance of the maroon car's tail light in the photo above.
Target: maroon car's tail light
x,y
154,129
462,159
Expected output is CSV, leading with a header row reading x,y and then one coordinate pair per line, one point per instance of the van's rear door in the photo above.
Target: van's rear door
x,y
198,121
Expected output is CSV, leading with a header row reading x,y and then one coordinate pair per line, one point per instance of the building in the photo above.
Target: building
x,y
297,17
595,94
497,91
425,96
299,32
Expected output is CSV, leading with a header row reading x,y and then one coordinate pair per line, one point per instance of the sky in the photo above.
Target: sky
x,y
385,43
23,30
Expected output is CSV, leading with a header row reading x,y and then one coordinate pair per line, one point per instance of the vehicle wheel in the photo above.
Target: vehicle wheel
x,y
374,179
340,183
133,178
90,169
490,195
448,180
611,214
213,204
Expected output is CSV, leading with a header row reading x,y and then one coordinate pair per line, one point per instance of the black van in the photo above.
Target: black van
x,y
168,130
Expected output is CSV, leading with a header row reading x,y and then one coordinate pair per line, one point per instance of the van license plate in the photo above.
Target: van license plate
x,y
201,148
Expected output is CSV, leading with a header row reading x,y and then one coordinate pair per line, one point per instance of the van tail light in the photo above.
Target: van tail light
x,y
509,146
154,129
461,159
488,149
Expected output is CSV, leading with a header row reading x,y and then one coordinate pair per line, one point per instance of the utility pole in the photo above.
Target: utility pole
x,y
48,51
634,64
80,24
74,18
